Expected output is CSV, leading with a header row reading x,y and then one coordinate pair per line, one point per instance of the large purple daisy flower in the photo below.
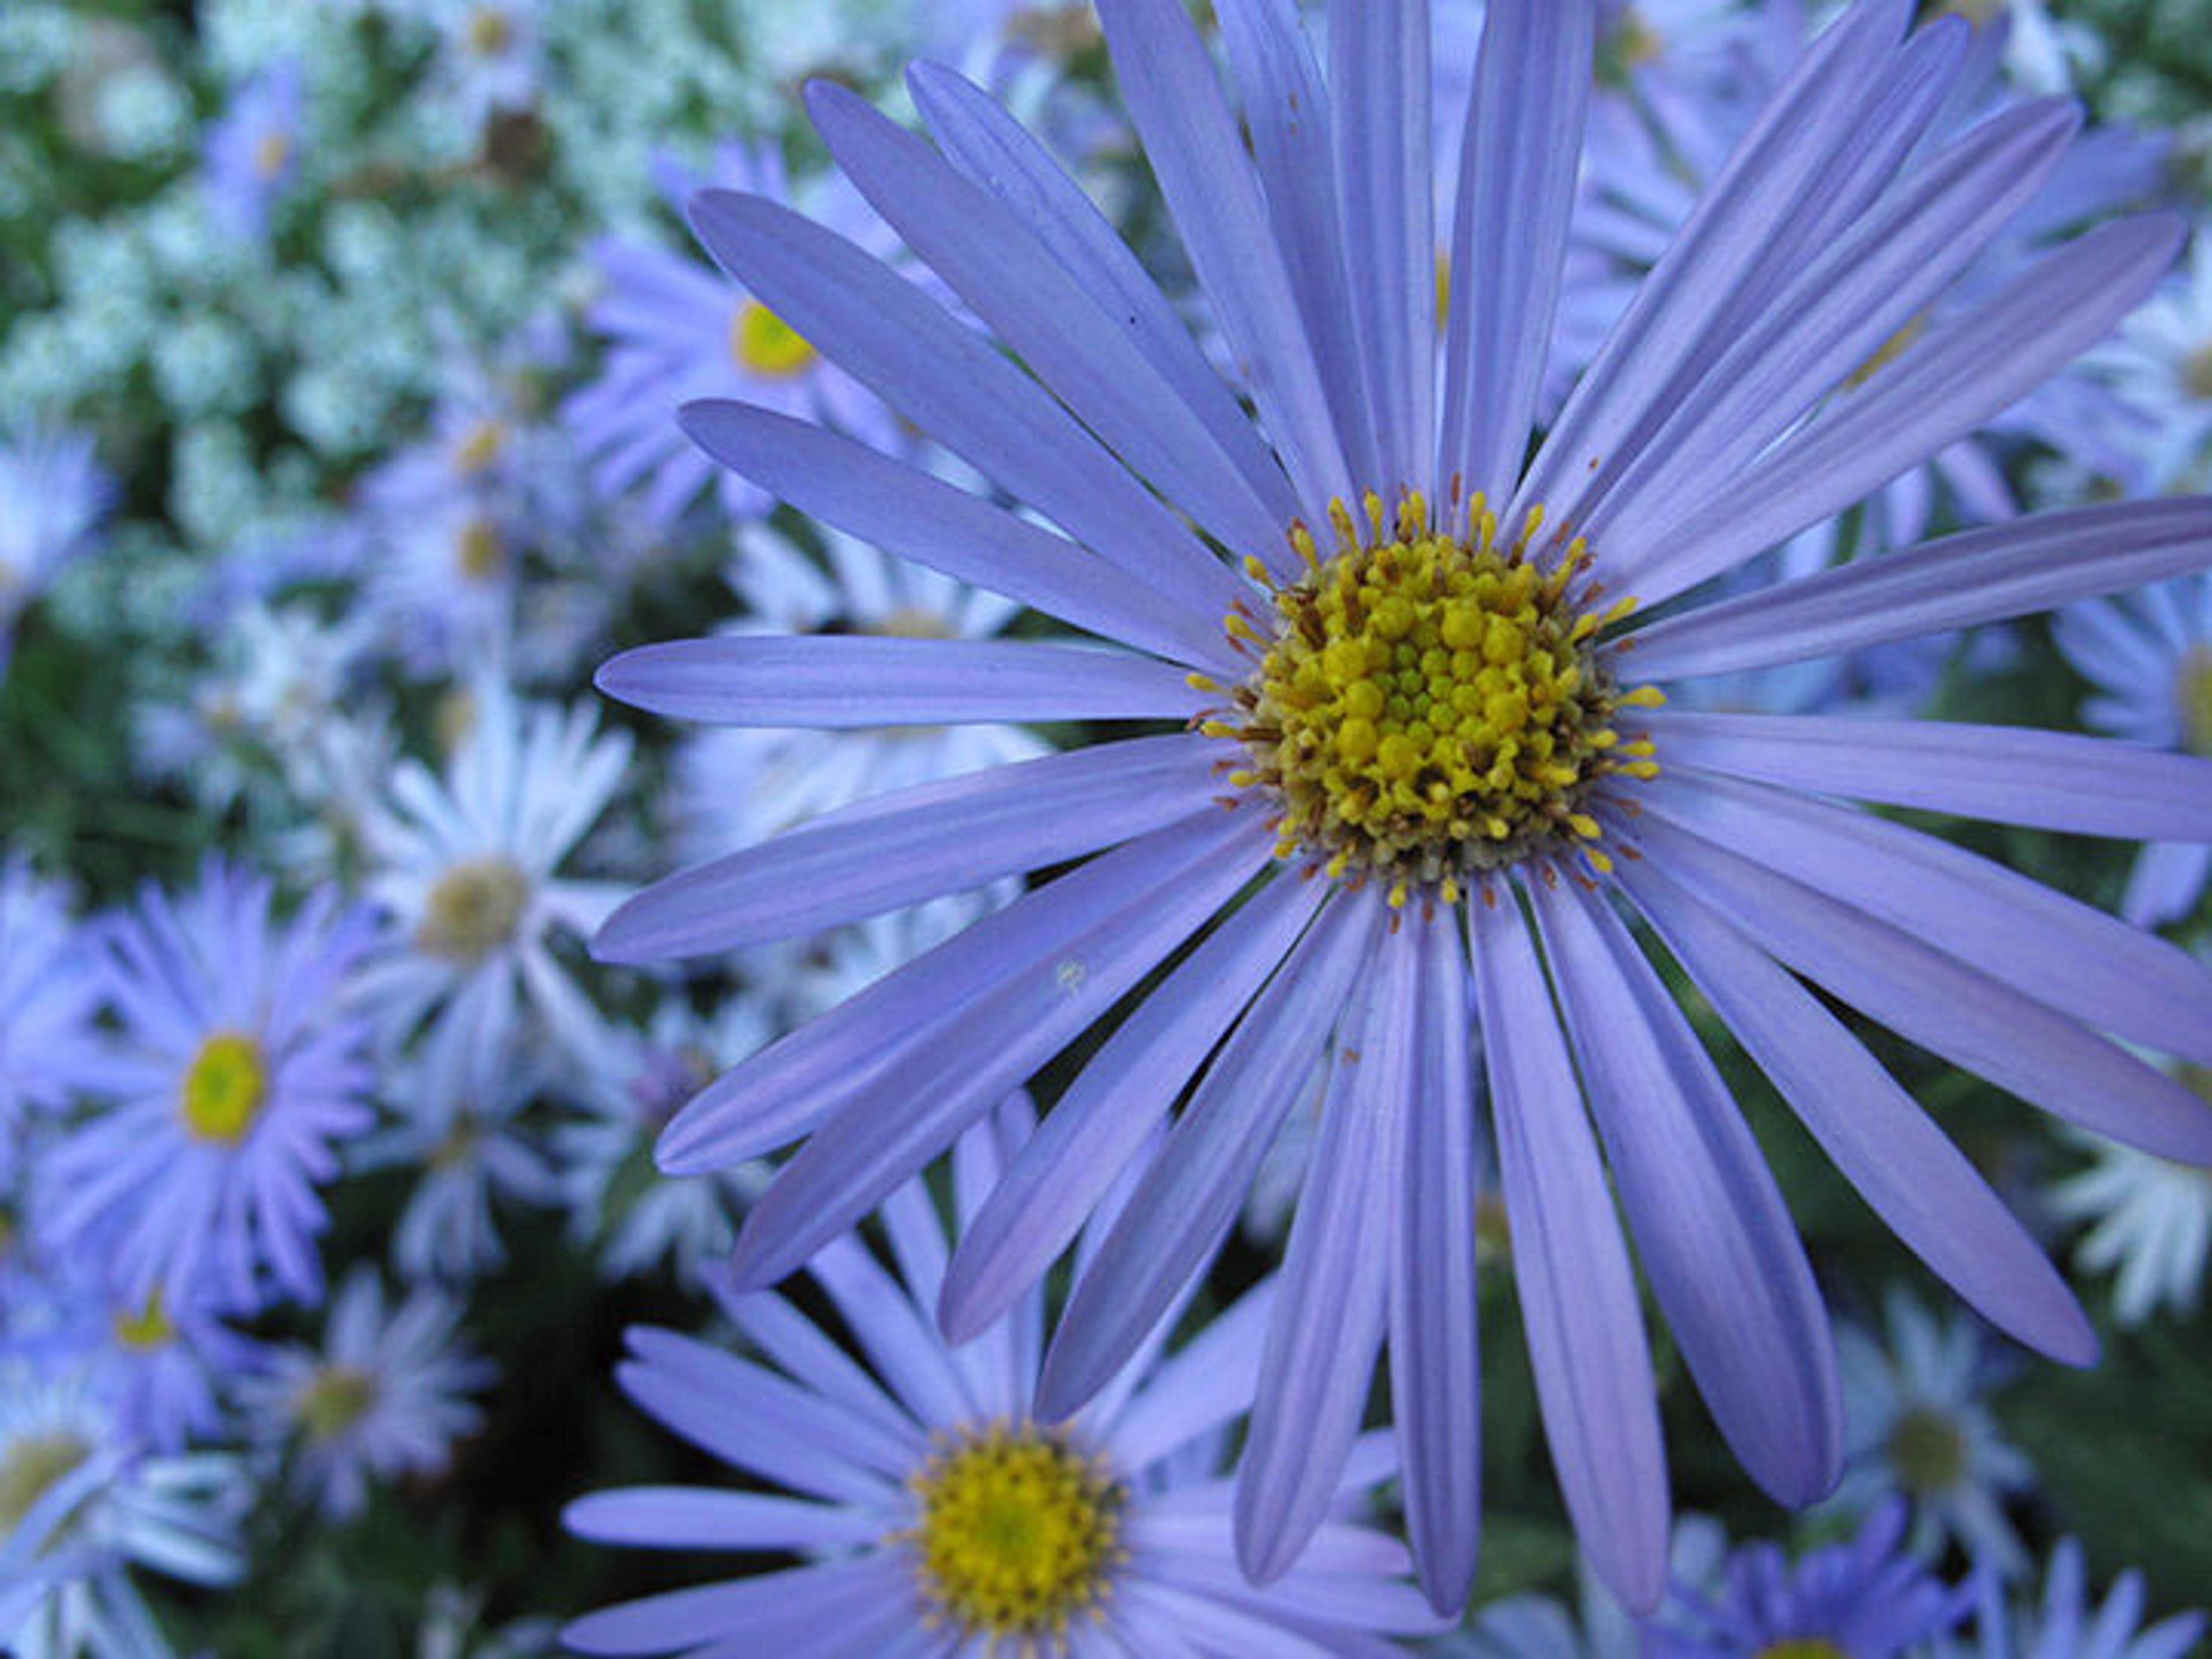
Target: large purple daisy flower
x,y
1424,762
938,1514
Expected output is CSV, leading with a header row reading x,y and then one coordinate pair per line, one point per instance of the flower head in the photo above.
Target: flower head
x,y
252,151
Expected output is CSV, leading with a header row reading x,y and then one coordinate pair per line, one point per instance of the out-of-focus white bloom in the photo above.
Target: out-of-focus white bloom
x,y
2152,1223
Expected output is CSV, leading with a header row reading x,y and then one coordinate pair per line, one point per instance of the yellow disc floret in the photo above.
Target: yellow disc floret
x,y
31,1465
473,909
150,1328
223,1088
332,1400
763,343
1802,1647
1432,706
2193,690
1017,1533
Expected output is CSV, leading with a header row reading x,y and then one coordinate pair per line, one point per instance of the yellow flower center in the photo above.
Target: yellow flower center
x,y
270,151
479,550
1887,352
224,1087
2193,688
484,443
332,1400
473,909
1802,1647
490,31
29,1469
150,1328
763,343
1017,1531
1632,43
2196,373
1926,1451
1430,707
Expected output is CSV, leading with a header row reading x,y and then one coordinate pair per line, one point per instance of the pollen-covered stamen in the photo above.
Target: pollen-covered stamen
x,y
1017,1531
1429,706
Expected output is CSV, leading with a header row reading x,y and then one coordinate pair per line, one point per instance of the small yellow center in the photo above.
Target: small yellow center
x,y
150,1328
1802,1647
482,445
224,1087
473,909
1430,706
479,550
2196,373
1926,1451
763,343
1630,44
1058,31
490,31
2193,689
911,621
270,151
1887,352
332,1400
29,1469
1017,1531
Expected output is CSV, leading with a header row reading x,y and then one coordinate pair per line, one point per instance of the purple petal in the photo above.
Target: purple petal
x,y
1208,1382
845,1606
1917,1180
853,682
1578,1302
943,838
694,1518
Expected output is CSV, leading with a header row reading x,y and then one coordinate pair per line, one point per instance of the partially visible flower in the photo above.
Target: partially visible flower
x,y
252,151
467,863
238,1072
2069,1624
935,1501
50,993
1917,1428
1862,1599
2152,1222
387,1394
2150,656
2162,364
492,56
82,1505
52,495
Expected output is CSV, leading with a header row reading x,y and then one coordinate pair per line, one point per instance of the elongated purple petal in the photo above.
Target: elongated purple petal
x,y
1187,1200
904,510
1935,1001
2010,774
1191,140
889,335
2013,569
887,1119
1106,1113
851,682
1006,821
1956,376
997,153
781,1092
698,1518
1435,1386
1331,1310
796,1343
2062,952
1206,1383
1578,1298
1518,159
1716,1241
1041,310
1886,1146
850,1606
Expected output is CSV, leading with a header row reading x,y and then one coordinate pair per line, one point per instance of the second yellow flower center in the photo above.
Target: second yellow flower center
x,y
763,343
223,1088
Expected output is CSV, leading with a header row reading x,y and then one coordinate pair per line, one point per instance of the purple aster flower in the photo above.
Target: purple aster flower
x,y
52,495
2067,1624
50,994
252,151
1424,764
2150,657
386,1396
936,1510
1857,1601
676,330
238,1072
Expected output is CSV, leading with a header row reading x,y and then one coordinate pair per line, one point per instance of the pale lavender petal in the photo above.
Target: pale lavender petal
x,y
1332,1306
1098,1124
843,1606
1518,159
2020,933
1886,1146
699,1518
1215,1625
1188,1198
1368,1596
1955,377
856,682
1934,1000
781,1092
1981,575
902,509
1436,1384
999,152
1006,821
1717,1243
796,1344
1190,138
888,1118
2010,774
949,382
1379,80
2165,883
1585,1329
1208,1382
